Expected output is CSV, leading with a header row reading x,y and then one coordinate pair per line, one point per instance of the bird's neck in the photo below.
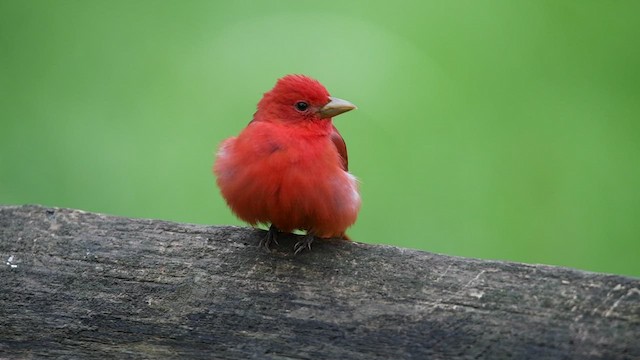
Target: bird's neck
x,y
321,127
315,127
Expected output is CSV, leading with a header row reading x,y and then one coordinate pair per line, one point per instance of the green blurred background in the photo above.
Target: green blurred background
x,y
493,129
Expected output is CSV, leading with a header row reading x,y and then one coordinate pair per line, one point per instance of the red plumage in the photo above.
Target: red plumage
x,y
288,167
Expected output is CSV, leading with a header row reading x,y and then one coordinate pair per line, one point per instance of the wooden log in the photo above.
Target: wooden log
x,y
82,285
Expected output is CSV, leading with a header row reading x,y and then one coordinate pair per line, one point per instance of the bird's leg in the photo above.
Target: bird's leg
x,y
271,237
304,243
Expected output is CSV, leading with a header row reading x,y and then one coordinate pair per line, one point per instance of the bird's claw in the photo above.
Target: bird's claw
x,y
271,237
304,243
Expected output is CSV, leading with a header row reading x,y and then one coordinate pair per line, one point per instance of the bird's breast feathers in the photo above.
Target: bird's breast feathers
x,y
289,180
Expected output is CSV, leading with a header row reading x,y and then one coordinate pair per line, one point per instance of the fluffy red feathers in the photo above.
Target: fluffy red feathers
x,y
288,167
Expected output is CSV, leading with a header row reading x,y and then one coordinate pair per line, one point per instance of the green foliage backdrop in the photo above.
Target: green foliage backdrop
x,y
494,129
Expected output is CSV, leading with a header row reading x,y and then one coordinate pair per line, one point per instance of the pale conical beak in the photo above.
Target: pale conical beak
x,y
335,107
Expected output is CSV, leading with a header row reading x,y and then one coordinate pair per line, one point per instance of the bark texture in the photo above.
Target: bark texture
x,y
85,285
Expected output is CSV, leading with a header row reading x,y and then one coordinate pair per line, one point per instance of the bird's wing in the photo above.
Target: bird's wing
x,y
341,146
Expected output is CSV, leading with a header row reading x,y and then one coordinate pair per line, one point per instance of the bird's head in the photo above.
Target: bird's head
x,y
299,98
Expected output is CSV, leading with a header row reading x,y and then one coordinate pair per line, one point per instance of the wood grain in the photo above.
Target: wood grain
x,y
85,285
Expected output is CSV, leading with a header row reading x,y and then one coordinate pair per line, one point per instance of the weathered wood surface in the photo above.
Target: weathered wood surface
x,y
85,285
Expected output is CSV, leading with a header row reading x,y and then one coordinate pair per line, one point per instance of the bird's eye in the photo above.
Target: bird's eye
x,y
301,106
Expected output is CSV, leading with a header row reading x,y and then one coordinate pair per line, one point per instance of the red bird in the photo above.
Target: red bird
x,y
289,166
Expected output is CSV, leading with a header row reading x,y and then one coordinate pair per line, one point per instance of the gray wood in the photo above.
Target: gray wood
x,y
85,285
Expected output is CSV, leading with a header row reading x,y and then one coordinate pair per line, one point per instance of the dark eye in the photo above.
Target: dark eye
x,y
301,106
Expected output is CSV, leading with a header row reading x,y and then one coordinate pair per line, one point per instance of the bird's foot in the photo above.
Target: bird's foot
x,y
304,243
271,237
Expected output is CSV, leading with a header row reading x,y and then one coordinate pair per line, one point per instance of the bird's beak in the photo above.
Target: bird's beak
x,y
335,107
